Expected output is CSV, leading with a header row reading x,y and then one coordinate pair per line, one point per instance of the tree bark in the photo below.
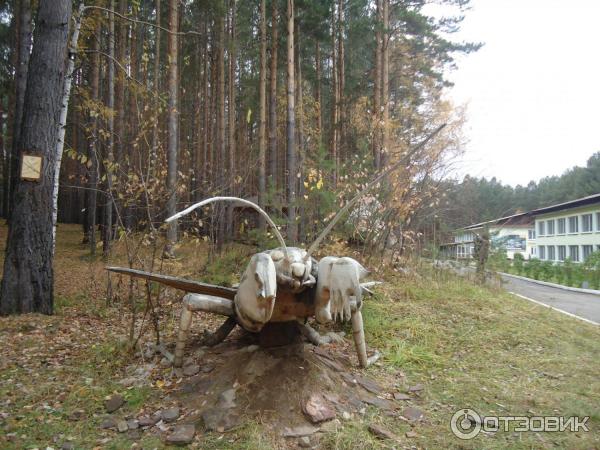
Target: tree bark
x,y
172,127
318,91
273,98
155,137
262,105
93,142
221,144
27,284
291,127
231,169
385,83
377,90
109,168
23,55
334,98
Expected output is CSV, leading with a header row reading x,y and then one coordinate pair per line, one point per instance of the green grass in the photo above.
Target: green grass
x,y
470,346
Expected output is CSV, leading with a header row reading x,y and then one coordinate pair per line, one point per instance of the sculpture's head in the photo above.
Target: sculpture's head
x,y
255,299
294,272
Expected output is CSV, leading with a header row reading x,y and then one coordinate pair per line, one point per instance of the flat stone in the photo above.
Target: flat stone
x,y
412,414
122,426
218,419
369,385
170,414
333,426
148,421
411,434
416,388
382,433
207,368
191,370
299,431
165,362
78,414
380,403
113,403
133,424
227,399
304,442
401,396
349,378
67,446
318,409
108,423
182,434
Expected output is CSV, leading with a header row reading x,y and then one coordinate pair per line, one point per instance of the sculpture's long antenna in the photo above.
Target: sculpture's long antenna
x,y
369,186
234,200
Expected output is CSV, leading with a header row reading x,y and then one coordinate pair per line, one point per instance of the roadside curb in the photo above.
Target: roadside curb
x,y
554,285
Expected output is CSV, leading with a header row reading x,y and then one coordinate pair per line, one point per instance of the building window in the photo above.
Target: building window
x,y
531,234
586,223
550,227
541,228
587,251
598,221
551,252
562,252
574,224
542,251
574,252
561,226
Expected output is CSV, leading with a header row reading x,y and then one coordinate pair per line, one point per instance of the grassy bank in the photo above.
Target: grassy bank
x,y
468,346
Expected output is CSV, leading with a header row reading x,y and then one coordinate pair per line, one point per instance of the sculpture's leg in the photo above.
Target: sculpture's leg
x,y
359,338
313,335
184,329
212,339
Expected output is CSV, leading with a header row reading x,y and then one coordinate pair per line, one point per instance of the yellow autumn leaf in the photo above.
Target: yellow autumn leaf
x,y
320,183
160,383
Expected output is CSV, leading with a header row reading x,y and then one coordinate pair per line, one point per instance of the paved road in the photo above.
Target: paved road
x,y
583,305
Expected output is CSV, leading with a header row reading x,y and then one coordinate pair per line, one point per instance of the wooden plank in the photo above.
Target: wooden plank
x,y
195,287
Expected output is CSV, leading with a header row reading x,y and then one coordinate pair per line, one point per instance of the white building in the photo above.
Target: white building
x,y
567,230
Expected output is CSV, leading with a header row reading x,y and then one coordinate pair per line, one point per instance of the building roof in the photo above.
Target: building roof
x,y
584,201
520,219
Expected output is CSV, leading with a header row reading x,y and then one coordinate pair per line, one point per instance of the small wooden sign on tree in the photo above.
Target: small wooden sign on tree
x,y
31,167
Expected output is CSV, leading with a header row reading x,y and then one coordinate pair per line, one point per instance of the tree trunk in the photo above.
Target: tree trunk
x,y
231,172
27,284
172,128
262,105
273,98
334,99
341,85
377,90
23,55
155,137
318,92
291,127
221,144
110,158
385,84
93,142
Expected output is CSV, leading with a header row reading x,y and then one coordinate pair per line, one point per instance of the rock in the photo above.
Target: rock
x,y
335,337
133,424
134,435
411,434
380,403
317,409
148,421
122,426
113,403
346,415
401,396
333,426
227,399
416,388
108,423
182,434
349,378
78,414
207,368
304,442
170,414
299,431
382,433
165,362
67,446
369,385
412,414
218,419
191,370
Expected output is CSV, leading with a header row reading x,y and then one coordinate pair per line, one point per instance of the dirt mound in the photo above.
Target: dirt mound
x,y
297,388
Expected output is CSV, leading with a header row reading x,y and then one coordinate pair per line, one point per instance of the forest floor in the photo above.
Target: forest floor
x,y
447,344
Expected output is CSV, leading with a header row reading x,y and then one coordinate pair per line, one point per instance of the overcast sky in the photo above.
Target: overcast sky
x,y
533,90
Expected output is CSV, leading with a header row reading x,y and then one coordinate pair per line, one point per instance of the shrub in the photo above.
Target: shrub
x,y
518,263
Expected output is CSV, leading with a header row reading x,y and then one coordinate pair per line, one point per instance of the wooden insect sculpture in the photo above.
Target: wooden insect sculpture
x,y
285,284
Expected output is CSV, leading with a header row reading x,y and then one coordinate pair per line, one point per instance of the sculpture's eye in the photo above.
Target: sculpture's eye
x,y
276,255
